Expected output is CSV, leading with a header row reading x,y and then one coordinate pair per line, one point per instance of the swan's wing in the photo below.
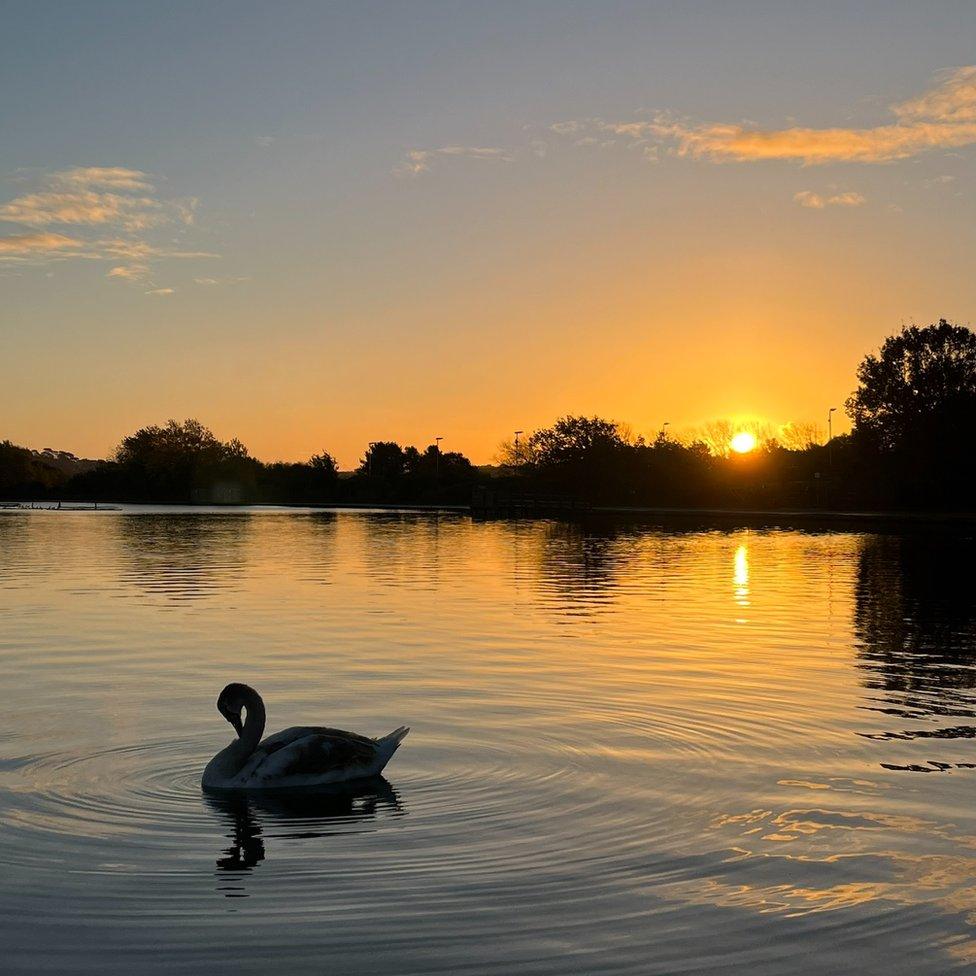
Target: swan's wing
x,y
273,743
309,751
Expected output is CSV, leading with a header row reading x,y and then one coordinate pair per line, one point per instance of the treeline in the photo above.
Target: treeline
x,y
30,474
185,463
911,447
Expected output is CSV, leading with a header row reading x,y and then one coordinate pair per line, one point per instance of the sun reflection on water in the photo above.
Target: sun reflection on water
x,y
740,580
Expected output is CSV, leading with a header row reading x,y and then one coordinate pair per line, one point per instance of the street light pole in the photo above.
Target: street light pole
x,y
830,435
437,458
664,426
518,456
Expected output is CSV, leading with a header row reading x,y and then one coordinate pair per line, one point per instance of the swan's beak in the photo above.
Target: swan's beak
x,y
235,719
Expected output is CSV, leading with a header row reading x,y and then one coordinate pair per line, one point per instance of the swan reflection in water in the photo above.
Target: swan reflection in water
x,y
301,814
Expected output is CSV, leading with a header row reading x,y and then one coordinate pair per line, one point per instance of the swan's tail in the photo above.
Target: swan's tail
x,y
388,743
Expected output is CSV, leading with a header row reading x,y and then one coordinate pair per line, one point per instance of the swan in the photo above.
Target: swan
x,y
297,757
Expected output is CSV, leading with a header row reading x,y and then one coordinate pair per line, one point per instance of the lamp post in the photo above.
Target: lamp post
x,y
518,456
437,456
369,459
663,435
830,435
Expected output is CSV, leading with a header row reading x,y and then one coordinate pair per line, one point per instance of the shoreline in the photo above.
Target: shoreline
x,y
791,518
718,517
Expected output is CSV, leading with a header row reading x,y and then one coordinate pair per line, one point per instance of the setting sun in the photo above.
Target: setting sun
x,y
743,442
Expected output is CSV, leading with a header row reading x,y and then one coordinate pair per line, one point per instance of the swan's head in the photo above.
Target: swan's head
x,y
233,700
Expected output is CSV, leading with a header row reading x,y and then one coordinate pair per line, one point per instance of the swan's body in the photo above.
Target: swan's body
x,y
298,757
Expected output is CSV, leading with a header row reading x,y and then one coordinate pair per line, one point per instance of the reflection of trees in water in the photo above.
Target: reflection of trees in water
x,y
583,567
577,566
915,622
303,543
183,556
417,548
301,815
13,545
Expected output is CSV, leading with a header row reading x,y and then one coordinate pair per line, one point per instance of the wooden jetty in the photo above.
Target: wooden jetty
x,y
489,502
59,507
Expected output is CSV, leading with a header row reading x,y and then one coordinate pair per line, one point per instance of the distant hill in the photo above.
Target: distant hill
x,y
27,473
64,461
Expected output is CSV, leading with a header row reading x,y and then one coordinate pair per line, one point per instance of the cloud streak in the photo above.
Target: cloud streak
x,y
97,195
942,117
417,161
129,272
109,211
817,201
24,247
225,280
109,177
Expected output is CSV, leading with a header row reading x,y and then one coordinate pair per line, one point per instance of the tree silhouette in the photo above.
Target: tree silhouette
x,y
589,456
316,480
574,440
922,378
391,473
383,461
182,462
915,411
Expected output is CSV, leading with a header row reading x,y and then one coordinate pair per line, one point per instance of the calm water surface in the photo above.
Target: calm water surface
x,y
633,751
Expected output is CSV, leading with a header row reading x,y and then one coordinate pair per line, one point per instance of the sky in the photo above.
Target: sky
x,y
313,225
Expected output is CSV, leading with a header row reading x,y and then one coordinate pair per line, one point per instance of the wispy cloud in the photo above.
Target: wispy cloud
x,y
94,196
109,177
24,247
161,291
943,117
599,133
111,211
952,100
225,280
129,272
417,161
818,201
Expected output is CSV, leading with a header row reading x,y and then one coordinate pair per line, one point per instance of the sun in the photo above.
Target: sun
x,y
743,442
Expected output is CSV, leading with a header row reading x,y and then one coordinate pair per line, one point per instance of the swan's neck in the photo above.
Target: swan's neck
x,y
222,769
253,724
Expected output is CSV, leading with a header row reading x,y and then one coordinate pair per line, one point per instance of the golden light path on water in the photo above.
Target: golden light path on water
x,y
740,579
633,750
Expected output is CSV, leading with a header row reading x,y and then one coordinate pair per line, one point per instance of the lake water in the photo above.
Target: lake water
x,y
632,750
